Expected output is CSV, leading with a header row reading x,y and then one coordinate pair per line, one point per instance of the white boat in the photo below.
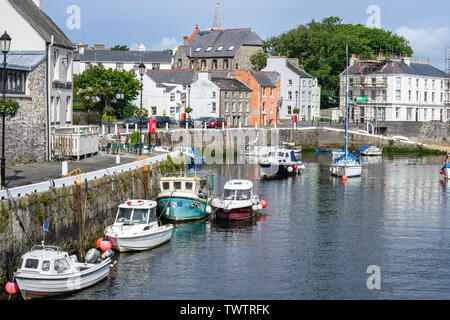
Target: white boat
x,y
280,162
238,202
291,146
346,165
137,228
47,271
446,168
369,151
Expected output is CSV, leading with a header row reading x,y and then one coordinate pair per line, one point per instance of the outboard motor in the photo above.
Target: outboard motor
x,y
107,254
92,256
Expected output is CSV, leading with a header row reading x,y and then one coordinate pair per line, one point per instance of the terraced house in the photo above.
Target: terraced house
x,y
40,78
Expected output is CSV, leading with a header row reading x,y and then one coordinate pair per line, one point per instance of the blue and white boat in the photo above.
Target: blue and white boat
x,y
279,163
446,168
368,151
347,165
191,157
183,199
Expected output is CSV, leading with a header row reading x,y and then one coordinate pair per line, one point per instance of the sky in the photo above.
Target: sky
x,y
161,25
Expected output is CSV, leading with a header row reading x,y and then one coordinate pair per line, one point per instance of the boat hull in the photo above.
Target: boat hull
x,y
235,214
142,242
346,170
38,286
182,209
280,170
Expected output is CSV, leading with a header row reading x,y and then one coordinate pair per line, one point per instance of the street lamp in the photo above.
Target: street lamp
x,y
142,70
5,45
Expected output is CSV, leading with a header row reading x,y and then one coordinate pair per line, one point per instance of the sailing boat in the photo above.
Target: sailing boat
x,y
347,165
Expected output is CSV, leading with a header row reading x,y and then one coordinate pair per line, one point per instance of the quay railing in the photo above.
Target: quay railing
x,y
68,181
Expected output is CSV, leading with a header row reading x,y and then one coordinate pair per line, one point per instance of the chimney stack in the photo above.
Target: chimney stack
x,y
185,40
353,59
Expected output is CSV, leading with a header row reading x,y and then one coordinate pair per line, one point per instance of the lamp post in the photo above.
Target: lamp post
x,y
142,70
189,100
5,45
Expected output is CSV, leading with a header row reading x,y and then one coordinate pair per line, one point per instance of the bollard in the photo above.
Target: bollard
x,y
167,126
223,125
128,127
187,125
118,159
65,168
115,129
135,127
103,129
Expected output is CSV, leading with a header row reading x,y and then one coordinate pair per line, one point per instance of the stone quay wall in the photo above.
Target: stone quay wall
x,y
59,208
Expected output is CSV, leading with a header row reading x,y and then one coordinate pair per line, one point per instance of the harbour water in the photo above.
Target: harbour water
x,y
315,240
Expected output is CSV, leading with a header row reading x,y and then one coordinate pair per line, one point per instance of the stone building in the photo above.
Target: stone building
x,y
217,48
40,78
235,101
400,89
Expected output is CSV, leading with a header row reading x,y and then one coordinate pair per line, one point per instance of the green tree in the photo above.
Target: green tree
x,y
320,48
9,108
93,89
258,60
119,47
128,111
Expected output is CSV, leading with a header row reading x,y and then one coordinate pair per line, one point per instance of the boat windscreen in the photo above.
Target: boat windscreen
x,y
243,195
140,216
230,194
124,215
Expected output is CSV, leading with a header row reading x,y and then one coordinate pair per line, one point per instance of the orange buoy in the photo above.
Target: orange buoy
x,y
105,245
99,241
12,287
264,203
344,178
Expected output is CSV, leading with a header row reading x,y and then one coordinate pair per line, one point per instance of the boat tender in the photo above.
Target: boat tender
x,y
280,163
137,228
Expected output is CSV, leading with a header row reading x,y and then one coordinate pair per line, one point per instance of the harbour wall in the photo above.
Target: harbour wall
x,y
96,201
320,137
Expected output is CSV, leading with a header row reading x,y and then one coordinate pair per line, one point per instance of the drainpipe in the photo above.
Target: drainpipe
x,y
48,86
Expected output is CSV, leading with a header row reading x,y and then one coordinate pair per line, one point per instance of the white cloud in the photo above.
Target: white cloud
x,y
166,43
426,42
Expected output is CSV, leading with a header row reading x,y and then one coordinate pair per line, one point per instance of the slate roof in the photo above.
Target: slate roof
x,y
399,67
225,38
231,84
302,73
24,60
183,77
41,22
126,56
266,79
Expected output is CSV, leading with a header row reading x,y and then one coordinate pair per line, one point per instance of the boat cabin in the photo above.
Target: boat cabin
x,y
46,260
181,184
137,212
283,155
238,190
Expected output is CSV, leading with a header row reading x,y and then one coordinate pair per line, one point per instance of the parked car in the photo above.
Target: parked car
x,y
190,122
162,120
200,122
215,123
141,122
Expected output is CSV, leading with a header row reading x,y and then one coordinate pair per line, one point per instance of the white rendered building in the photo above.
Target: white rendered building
x,y
395,90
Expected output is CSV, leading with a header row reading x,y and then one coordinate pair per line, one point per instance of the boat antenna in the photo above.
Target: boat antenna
x,y
346,101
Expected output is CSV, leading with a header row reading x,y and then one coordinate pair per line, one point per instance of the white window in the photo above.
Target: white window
x,y
289,95
425,116
433,84
154,111
231,48
397,113
398,82
425,96
290,82
219,48
213,107
208,49
398,95
409,114
289,110
214,94
172,96
426,83
432,96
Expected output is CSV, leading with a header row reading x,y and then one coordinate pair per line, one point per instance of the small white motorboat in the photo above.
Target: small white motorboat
x,y
291,146
47,271
238,202
137,228
369,151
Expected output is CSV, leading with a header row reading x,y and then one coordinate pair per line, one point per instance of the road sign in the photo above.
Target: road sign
x,y
361,99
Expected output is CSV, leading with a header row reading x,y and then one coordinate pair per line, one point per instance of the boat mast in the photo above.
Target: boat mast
x,y
346,101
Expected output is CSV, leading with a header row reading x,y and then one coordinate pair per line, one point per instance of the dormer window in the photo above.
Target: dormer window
x,y
231,48
208,49
219,48
198,49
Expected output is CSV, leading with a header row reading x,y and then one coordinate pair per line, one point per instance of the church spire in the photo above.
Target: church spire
x,y
217,19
